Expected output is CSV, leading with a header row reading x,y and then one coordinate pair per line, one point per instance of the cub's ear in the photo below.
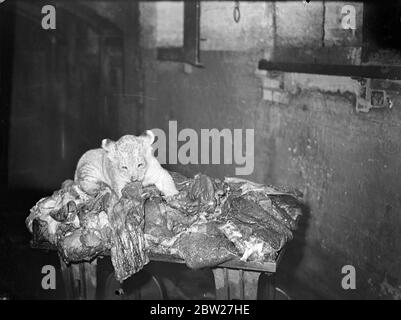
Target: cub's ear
x,y
149,136
107,145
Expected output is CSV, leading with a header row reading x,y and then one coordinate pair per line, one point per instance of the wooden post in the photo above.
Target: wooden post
x,y
236,284
80,280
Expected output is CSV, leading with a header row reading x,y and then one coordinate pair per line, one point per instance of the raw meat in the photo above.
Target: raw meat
x,y
208,222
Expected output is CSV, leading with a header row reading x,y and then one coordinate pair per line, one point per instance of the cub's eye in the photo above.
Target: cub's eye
x,y
140,165
124,167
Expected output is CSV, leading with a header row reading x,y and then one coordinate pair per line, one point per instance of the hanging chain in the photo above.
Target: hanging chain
x,y
237,12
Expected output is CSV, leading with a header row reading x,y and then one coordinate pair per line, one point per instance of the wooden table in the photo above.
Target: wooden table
x,y
233,279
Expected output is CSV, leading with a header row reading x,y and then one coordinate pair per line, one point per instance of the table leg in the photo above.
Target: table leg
x,y
236,284
79,279
270,287
67,276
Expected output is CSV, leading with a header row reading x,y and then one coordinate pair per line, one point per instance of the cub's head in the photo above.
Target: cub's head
x,y
128,155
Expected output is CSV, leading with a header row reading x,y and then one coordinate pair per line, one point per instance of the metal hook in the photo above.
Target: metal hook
x,y
237,12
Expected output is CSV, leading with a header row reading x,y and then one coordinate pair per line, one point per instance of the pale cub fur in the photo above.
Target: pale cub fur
x,y
117,163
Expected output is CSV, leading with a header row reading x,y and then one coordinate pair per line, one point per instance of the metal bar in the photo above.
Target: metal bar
x,y
374,72
192,32
190,51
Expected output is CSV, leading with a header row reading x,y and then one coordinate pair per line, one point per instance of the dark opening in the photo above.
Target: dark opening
x,y
381,28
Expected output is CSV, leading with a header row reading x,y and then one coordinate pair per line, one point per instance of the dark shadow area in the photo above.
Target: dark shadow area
x,y
381,25
57,89
286,279
61,94
158,280
7,21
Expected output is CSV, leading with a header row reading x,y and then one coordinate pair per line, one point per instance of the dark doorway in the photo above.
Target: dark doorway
x,y
7,21
61,91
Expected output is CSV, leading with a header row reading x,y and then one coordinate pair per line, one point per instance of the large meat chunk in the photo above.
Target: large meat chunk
x,y
259,219
92,235
205,246
50,212
76,245
250,244
128,252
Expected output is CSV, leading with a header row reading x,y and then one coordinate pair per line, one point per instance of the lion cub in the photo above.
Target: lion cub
x,y
117,163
